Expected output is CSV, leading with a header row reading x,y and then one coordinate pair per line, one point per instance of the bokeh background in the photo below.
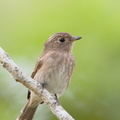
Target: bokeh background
x,y
94,92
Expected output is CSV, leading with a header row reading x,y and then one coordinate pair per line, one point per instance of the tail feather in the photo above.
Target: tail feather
x,y
28,112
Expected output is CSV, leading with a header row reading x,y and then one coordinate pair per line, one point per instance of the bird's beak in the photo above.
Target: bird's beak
x,y
75,38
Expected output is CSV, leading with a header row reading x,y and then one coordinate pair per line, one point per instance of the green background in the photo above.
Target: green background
x,y
94,92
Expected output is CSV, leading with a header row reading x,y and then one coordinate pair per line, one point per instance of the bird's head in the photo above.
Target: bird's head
x,y
61,41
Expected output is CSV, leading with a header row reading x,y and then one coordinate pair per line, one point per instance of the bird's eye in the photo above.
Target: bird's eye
x,y
61,39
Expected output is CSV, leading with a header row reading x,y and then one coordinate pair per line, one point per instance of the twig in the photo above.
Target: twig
x,y
31,84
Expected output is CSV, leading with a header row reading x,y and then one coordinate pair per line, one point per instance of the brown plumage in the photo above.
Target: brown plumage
x,y
53,70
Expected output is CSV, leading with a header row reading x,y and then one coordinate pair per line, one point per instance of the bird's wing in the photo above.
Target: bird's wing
x,y
37,67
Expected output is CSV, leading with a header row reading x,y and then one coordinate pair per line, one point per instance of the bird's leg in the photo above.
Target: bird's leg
x,y
56,98
43,85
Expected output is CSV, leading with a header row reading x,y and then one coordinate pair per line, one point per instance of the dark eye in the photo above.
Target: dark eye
x,y
61,39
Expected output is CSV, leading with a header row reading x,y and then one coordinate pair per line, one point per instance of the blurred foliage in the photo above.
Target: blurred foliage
x,y
94,92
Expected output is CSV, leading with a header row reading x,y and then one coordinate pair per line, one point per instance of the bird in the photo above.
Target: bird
x,y
53,70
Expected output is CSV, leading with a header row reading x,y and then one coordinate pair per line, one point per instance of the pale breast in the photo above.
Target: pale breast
x,y
56,72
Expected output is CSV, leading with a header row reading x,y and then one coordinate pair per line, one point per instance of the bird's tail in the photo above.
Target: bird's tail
x,y
28,112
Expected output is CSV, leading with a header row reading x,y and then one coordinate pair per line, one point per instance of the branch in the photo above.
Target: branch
x,y
33,85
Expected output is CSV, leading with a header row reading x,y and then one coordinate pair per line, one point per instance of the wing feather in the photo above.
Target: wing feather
x,y
37,67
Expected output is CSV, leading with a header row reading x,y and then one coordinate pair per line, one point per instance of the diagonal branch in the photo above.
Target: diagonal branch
x,y
31,84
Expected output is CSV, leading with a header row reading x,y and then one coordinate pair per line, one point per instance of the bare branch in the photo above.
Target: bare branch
x,y
31,84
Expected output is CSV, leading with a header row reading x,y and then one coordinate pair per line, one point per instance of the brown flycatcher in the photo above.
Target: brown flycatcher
x,y
53,70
